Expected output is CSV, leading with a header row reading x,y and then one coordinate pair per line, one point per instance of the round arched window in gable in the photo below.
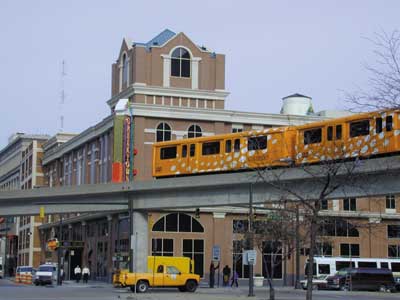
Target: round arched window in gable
x,y
194,131
163,132
178,222
180,63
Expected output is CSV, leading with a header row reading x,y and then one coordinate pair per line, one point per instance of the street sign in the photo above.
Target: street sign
x,y
249,257
41,212
216,253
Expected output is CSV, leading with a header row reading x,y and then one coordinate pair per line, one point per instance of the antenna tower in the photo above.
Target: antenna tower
x,y
62,95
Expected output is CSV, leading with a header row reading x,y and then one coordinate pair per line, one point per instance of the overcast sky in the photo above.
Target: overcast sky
x,y
273,49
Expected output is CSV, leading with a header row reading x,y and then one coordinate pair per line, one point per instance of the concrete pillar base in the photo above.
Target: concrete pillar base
x,y
140,241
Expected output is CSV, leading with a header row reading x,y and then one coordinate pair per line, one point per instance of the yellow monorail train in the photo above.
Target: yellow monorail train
x,y
359,135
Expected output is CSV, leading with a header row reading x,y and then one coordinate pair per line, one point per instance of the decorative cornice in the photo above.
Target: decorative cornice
x,y
218,115
140,88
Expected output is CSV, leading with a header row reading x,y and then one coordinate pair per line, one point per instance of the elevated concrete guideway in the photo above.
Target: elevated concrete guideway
x,y
373,177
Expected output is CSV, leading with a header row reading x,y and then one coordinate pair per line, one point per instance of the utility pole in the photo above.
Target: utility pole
x,y
59,281
62,95
251,242
5,250
131,250
297,283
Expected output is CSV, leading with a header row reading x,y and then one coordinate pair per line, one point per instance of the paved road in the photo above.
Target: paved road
x,y
100,291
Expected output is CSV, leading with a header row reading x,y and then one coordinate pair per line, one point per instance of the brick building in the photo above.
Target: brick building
x,y
170,88
21,168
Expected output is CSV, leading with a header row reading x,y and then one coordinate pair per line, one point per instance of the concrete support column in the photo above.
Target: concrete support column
x,y
85,244
109,248
139,240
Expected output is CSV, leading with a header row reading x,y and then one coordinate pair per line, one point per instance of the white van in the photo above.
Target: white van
x,y
45,274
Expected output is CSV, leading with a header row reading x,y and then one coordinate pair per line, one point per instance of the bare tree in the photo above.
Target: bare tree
x,y
275,234
327,177
383,89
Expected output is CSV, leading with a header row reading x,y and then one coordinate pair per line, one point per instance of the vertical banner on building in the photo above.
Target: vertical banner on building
x,y
122,167
118,143
127,149
132,150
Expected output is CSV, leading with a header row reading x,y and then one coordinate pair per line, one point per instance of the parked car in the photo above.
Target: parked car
x,y
397,283
318,282
367,279
45,274
23,270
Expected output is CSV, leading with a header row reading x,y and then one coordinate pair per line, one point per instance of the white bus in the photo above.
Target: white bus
x,y
324,265
1,267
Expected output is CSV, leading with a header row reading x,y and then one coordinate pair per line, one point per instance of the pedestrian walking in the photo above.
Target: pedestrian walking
x,y
226,272
235,278
85,274
62,275
77,273
212,274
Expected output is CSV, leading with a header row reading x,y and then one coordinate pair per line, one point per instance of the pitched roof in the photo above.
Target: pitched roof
x,y
158,40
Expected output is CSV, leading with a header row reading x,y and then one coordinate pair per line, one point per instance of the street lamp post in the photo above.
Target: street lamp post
x,y
5,249
131,250
251,242
297,283
59,281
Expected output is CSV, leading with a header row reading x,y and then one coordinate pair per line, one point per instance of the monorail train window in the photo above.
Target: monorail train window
x,y
312,136
192,150
385,265
378,125
228,146
257,143
338,132
359,128
236,146
389,123
210,148
168,152
184,150
329,133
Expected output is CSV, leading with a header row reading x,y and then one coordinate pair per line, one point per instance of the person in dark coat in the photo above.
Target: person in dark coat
x,y
226,272
212,274
235,278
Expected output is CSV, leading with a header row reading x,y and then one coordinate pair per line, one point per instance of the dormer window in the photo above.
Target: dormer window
x,y
180,63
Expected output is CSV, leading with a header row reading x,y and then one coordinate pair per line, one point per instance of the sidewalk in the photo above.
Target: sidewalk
x,y
90,284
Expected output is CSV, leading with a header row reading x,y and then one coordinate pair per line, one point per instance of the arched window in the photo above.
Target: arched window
x,y
194,131
124,69
178,222
163,132
180,63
